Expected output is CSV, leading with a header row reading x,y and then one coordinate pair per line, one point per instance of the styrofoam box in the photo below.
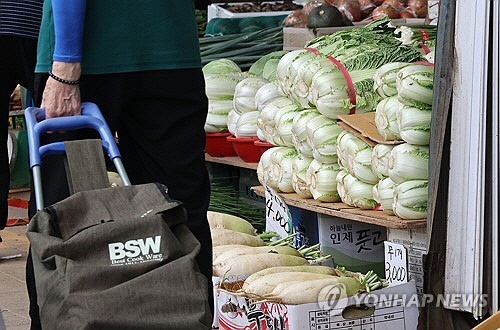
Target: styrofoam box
x,y
215,10
389,312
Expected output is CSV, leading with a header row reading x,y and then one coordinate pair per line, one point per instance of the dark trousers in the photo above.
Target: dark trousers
x,y
159,117
17,64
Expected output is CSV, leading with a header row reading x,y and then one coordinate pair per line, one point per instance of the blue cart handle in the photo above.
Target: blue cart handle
x,y
91,117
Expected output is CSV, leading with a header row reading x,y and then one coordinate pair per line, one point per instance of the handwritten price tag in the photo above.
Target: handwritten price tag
x,y
278,217
396,266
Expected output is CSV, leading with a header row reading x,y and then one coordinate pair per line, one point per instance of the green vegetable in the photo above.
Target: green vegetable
x,y
383,193
385,78
415,86
244,94
299,131
258,67
321,181
415,125
299,176
324,15
408,162
380,160
221,66
386,118
410,200
322,133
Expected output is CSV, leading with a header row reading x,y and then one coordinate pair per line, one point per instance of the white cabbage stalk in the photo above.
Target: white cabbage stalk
x,y
211,129
280,169
221,66
408,162
299,131
385,79
299,169
358,193
294,74
430,57
415,125
269,71
322,133
222,86
232,120
383,193
266,118
218,111
282,71
415,86
386,118
244,94
321,179
340,184
356,156
263,166
330,94
266,94
247,124
380,160
284,121
302,83
261,135
410,200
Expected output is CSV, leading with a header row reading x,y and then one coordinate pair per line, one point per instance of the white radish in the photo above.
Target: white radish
x,y
273,270
305,292
227,221
233,253
221,236
266,284
248,264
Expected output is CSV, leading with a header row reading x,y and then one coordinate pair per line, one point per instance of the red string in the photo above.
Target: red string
x,y
424,63
347,77
425,35
426,48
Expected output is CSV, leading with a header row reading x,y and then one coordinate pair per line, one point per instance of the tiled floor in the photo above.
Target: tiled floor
x,y
13,295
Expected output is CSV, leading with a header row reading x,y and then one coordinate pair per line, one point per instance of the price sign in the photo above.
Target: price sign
x,y
396,266
278,217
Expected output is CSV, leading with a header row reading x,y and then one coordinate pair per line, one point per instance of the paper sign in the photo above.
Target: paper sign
x,y
396,267
278,217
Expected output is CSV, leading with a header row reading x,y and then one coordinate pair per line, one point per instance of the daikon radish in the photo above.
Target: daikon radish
x,y
306,292
233,253
227,221
248,264
221,236
273,270
266,284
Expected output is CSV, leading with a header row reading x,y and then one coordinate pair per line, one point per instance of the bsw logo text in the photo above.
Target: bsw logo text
x,y
135,251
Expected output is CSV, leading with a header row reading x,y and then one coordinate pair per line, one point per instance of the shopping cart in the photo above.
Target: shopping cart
x,y
111,258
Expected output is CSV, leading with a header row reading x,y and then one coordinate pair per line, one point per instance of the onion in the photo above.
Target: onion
x,y
407,14
378,2
398,4
385,10
366,6
419,7
351,9
296,18
308,7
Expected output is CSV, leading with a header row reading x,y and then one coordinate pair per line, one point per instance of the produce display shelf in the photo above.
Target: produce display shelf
x,y
234,161
344,211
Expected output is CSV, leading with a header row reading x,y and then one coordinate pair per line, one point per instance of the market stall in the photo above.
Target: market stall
x,y
337,134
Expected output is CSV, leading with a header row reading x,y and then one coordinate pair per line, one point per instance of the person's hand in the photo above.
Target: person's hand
x,y
60,99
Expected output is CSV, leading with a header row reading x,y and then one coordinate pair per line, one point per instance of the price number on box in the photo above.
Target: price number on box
x,y
278,217
396,266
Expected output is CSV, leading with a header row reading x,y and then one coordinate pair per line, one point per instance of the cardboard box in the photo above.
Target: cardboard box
x,y
491,323
296,38
355,245
215,286
388,310
215,10
363,126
